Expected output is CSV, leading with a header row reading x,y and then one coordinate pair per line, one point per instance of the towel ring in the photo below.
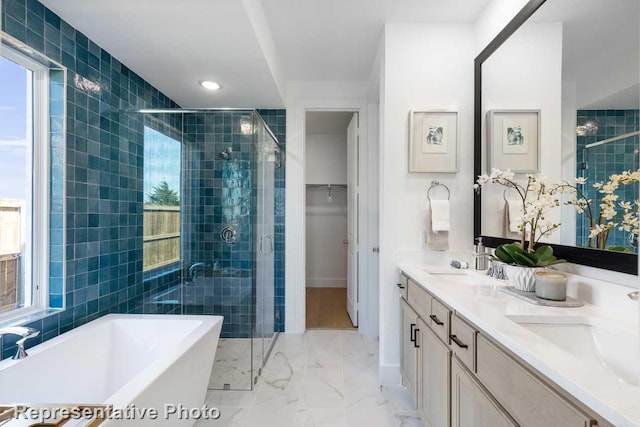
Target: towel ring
x,y
435,184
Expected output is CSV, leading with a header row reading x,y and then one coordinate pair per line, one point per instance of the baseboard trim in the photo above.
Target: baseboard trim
x,y
390,375
318,282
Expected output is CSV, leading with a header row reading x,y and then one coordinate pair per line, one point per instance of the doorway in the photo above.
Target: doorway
x,y
332,203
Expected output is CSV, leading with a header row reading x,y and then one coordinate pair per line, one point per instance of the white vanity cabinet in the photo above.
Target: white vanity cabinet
x,y
458,376
425,361
471,404
408,348
435,371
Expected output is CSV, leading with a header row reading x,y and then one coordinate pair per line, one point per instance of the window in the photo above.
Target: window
x,y
162,161
24,184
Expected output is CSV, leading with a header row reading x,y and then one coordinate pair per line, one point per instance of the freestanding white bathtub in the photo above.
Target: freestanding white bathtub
x,y
146,361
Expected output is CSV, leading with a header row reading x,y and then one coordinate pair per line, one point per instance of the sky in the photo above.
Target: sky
x,y
13,116
161,161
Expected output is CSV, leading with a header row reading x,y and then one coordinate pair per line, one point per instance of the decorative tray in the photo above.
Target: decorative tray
x,y
532,298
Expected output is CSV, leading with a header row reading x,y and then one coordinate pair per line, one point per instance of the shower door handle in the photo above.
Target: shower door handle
x,y
261,248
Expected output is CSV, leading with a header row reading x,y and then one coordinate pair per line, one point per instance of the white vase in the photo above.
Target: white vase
x,y
523,278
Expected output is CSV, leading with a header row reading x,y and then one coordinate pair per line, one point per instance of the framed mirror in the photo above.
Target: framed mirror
x,y
557,94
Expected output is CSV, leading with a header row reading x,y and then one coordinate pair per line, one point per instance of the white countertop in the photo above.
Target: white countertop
x,y
487,307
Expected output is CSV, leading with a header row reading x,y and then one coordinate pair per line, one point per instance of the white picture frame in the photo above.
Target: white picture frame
x,y
513,140
433,141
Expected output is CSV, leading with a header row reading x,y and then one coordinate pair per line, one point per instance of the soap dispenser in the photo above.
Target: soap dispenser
x,y
480,255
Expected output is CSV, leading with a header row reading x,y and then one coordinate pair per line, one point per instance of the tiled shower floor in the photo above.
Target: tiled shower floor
x,y
232,364
319,378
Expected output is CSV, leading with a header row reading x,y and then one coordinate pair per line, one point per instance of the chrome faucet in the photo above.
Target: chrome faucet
x,y
635,295
495,269
193,270
21,331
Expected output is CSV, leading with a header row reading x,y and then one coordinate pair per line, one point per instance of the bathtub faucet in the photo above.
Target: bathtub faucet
x,y
21,331
193,270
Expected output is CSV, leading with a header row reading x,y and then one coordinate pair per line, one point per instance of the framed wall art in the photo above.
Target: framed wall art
x,y
513,140
433,141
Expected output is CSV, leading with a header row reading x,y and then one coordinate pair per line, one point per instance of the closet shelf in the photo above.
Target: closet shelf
x,y
326,185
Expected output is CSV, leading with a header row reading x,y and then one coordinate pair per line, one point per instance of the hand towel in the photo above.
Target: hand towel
x,y
437,241
515,215
440,215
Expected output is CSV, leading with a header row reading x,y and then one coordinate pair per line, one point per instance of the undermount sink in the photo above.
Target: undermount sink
x,y
463,277
615,349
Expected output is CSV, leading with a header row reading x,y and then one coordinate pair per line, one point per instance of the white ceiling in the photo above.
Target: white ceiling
x,y
248,46
327,122
337,40
601,49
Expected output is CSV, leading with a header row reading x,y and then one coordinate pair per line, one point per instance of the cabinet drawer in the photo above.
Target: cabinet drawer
x,y
530,402
403,285
463,342
420,300
440,319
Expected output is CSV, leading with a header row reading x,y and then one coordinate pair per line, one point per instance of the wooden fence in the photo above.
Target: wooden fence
x,y
161,236
10,248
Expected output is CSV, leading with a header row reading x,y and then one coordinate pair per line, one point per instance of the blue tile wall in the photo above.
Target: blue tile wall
x,y
218,193
605,160
103,171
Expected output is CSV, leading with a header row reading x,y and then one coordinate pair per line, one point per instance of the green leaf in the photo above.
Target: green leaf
x,y
503,255
522,259
544,253
512,249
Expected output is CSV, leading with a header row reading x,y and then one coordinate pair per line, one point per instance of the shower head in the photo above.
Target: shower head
x,y
226,154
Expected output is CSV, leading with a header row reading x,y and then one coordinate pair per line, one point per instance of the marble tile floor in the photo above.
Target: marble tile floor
x,y
324,378
233,362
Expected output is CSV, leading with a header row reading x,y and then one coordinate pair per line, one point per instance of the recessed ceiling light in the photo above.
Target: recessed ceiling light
x,y
210,85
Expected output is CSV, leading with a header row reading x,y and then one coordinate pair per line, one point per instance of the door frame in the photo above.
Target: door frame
x,y
295,240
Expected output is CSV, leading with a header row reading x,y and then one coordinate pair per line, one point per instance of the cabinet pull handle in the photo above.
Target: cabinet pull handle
x,y
415,341
436,320
413,333
456,340
400,285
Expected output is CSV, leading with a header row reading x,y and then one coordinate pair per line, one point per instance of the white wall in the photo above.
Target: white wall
x,y
326,158
431,66
495,16
326,255
326,231
526,73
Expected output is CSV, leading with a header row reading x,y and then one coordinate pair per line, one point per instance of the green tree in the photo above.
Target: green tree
x,y
161,194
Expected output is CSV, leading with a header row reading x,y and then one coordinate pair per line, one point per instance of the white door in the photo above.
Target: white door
x,y
353,202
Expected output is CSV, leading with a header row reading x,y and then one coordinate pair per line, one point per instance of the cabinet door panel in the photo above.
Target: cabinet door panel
x,y
408,350
471,404
435,371
525,396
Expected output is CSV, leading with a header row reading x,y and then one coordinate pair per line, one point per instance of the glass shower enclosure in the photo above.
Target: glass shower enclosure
x,y
211,251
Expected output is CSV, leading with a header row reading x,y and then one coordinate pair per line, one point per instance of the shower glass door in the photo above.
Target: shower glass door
x,y
266,156
209,227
